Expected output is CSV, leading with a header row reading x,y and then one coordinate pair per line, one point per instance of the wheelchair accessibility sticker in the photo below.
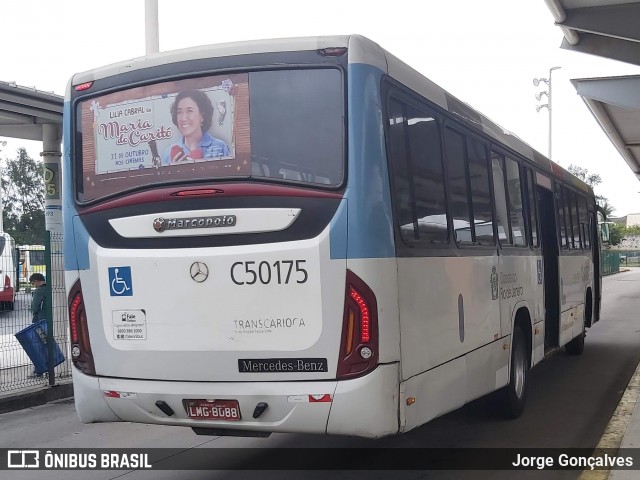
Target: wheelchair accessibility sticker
x,y
120,284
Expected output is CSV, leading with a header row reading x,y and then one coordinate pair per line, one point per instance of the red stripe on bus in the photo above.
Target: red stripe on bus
x,y
215,190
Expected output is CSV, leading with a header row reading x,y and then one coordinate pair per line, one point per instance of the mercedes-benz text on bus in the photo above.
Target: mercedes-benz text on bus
x,y
307,235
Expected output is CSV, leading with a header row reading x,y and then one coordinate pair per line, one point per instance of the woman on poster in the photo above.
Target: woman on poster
x,y
192,114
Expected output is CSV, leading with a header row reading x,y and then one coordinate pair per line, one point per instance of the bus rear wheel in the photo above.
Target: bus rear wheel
x,y
513,397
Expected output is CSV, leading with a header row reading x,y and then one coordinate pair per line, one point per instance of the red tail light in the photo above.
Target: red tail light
x,y
83,86
80,345
359,343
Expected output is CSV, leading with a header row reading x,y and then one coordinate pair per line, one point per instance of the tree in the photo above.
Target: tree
x,y
593,180
607,209
633,230
23,198
617,233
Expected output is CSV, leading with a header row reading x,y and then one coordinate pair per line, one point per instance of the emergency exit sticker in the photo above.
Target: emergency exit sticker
x,y
129,325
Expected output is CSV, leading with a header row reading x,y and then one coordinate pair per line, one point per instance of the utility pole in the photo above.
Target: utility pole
x,y
152,37
548,105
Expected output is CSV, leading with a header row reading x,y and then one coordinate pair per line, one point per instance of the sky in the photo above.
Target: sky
x,y
486,53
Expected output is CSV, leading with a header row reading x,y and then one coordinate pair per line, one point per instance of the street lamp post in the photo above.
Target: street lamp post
x,y
549,104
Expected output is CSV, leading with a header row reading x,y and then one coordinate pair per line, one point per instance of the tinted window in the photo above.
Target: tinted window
x,y
480,191
584,221
36,257
574,221
533,207
500,196
398,160
428,181
457,181
514,194
296,119
286,125
562,218
566,201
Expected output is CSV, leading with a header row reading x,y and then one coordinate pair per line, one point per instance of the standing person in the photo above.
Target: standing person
x,y
38,300
192,113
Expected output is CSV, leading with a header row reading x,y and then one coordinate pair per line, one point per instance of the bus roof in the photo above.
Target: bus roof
x,y
361,50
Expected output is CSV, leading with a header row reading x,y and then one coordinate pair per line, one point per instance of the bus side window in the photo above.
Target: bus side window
x,y
514,193
500,196
458,186
399,168
574,222
533,207
480,191
562,231
584,221
566,196
428,182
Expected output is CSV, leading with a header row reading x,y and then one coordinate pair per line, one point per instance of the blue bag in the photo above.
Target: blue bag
x,y
34,341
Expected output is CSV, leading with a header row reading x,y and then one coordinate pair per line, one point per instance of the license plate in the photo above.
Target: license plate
x,y
213,409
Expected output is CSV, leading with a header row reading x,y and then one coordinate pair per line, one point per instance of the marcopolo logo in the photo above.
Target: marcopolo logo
x,y
162,224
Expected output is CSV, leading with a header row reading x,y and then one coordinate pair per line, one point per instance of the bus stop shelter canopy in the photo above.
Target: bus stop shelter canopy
x,y
24,111
607,28
615,104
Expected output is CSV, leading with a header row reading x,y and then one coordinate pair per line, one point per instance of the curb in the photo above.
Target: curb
x,y
35,397
613,435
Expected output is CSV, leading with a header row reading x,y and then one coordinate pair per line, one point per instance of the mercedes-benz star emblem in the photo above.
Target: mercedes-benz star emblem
x,y
159,224
199,272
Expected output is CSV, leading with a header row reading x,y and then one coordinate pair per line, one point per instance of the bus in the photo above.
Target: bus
x,y
307,235
31,261
7,272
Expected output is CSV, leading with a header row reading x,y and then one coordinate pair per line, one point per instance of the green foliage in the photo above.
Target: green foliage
x,y
593,180
604,205
583,174
616,233
633,230
23,198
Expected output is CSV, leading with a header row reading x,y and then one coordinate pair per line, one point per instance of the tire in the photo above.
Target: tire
x,y
513,397
576,346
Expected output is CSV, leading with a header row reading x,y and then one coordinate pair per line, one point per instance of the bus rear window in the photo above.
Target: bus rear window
x,y
284,125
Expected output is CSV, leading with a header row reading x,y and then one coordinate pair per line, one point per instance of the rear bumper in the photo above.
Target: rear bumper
x,y
366,406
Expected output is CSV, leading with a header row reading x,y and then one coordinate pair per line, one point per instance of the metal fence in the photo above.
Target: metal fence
x,y
629,258
16,368
609,262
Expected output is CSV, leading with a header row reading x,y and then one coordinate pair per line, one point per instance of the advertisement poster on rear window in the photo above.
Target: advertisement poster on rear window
x,y
186,128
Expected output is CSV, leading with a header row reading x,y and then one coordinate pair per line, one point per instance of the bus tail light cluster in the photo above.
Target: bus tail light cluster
x,y
83,86
80,345
7,282
359,343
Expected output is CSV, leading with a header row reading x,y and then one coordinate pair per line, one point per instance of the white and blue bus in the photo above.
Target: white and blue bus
x,y
307,235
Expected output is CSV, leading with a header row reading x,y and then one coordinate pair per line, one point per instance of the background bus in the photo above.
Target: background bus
x,y
7,271
31,261
268,236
